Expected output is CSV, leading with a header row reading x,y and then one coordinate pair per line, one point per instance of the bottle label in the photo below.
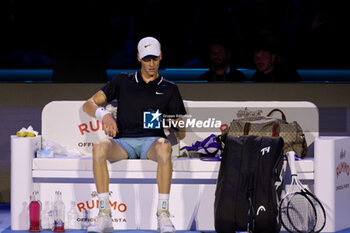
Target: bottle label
x,y
58,223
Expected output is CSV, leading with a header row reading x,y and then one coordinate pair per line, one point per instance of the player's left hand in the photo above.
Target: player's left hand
x,y
110,125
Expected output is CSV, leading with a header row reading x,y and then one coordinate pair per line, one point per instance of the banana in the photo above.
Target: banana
x,y
25,134
21,134
30,134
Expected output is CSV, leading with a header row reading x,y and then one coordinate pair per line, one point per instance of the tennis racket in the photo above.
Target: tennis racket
x,y
300,210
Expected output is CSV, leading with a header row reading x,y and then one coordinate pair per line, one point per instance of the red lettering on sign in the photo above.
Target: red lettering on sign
x,y
97,126
87,128
122,207
81,206
113,205
343,167
83,128
91,205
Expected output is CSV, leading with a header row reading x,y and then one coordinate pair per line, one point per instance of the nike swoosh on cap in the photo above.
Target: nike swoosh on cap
x,y
159,93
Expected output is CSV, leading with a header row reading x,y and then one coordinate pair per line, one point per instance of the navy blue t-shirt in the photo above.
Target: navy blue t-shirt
x,y
135,97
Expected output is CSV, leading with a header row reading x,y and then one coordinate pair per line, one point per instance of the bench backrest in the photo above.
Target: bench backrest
x,y
65,123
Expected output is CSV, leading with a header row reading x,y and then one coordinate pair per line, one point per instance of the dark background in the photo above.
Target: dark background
x,y
37,34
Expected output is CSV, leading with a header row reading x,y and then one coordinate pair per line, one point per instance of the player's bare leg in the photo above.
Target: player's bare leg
x,y
160,151
102,151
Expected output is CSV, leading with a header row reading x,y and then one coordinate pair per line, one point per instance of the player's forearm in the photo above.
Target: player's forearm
x,y
92,104
90,107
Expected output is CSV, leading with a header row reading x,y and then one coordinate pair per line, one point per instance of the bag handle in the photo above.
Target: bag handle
x,y
275,129
246,128
277,110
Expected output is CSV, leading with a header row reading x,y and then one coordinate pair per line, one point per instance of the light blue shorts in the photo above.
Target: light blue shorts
x,y
137,148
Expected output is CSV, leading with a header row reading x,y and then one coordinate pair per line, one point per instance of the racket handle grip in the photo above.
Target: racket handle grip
x,y
291,162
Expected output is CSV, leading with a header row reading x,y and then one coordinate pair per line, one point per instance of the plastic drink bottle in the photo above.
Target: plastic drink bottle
x,y
47,216
34,213
72,217
85,223
58,213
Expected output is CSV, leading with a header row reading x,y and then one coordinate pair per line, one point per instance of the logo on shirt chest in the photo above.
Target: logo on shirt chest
x,y
151,119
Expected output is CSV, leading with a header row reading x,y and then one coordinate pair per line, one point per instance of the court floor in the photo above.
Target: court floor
x,y
5,225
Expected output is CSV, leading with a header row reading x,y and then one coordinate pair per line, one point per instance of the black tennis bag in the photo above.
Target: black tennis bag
x,y
249,185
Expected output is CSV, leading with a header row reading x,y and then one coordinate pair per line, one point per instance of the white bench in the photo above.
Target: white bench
x,y
133,182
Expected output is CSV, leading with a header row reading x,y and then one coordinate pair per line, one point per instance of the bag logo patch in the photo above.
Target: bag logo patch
x,y
265,149
261,208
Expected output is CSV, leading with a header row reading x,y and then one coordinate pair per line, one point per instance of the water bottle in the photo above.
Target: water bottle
x,y
72,217
58,213
85,223
47,221
34,212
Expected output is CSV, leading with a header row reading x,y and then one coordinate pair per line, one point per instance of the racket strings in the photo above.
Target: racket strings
x,y
284,216
314,213
293,187
301,213
300,210
320,212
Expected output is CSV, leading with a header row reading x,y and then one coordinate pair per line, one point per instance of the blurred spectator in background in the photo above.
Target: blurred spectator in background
x,y
268,69
270,33
220,68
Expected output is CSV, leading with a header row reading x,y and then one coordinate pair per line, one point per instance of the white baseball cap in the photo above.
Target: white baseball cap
x,y
148,46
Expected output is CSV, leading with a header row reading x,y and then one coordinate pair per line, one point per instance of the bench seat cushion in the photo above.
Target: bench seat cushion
x,y
179,165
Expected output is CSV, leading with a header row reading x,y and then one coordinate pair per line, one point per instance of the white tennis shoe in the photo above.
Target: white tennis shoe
x,y
164,223
103,224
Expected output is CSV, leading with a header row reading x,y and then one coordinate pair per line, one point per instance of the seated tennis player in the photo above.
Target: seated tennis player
x,y
137,133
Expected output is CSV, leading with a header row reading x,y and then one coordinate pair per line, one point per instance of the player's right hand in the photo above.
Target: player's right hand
x,y
110,125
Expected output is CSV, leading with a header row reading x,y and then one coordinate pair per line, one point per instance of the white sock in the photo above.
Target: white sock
x,y
103,203
163,203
